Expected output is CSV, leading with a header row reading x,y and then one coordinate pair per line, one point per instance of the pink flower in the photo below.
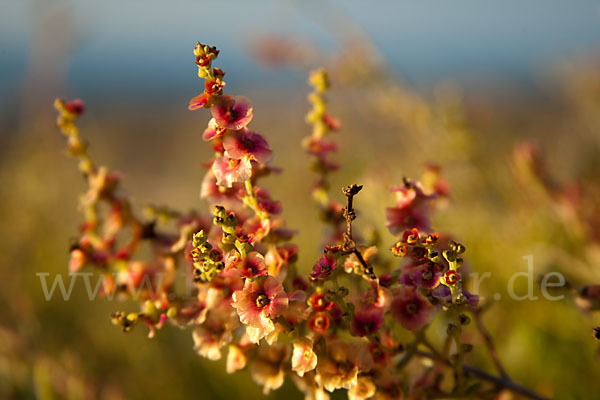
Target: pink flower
x,y
212,131
426,276
400,218
256,229
379,353
227,197
278,257
245,143
367,320
411,208
265,202
251,266
304,358
214,332
409,193
411,308
323,267
198,101
258,303
318,146
228,170
232,112
77,260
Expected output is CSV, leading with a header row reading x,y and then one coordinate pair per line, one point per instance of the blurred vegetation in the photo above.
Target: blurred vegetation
x,y
68,349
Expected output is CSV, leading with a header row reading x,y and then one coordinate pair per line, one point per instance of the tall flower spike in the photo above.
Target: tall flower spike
x,y
319,148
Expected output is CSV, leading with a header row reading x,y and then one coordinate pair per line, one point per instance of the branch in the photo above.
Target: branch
x,y
349,246
489,343
500,382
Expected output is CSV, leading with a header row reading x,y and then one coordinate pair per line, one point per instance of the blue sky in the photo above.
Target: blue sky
x,y
122,44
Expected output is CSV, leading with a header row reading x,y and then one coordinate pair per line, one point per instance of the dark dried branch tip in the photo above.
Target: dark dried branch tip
x,y
349,246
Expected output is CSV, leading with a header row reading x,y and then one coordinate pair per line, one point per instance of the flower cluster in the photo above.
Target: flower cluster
x,y
353,323
112,234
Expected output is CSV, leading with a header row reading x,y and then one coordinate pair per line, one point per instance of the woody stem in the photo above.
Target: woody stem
x,y
349,246
498,381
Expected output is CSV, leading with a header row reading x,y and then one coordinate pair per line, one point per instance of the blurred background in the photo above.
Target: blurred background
x,y
462,85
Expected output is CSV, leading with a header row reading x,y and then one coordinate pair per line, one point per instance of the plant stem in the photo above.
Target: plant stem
x,y
458,366
252,201
497,380
489,343
349,245
410,353
339,298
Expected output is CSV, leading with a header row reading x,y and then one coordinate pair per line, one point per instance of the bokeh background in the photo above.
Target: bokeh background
x,y
458,84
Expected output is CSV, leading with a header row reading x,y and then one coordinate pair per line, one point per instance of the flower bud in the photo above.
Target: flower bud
x,y
449,255
219,211
172,312
452,330
243,246
230,220
199,238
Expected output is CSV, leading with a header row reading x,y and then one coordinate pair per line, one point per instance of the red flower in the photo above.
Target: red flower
x,y
213,87
246,143
232,112
319,322
410,236
331,122
367,320
411,309
75,107
323,267
451,277
318,302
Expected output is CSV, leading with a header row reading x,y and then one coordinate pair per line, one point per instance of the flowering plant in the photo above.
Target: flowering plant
x,y
356,322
